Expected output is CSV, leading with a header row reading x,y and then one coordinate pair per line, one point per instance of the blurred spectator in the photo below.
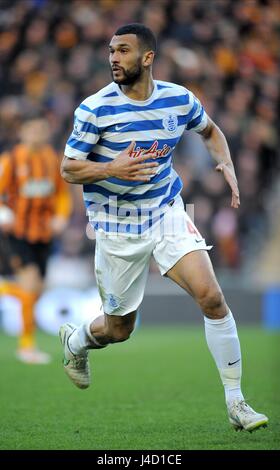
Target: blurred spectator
x,y
35,205
53,54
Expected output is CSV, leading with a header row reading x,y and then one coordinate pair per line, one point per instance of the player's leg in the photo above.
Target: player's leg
x,y
95,334
183,257
194,273
32,277
19,287
121,268
26,285
107,329
29,282
103,330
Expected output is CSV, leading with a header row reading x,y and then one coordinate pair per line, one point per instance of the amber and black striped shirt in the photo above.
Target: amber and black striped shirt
x,y
31,185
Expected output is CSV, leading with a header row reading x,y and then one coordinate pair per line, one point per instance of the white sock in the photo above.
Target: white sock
x,y
223,343
82,339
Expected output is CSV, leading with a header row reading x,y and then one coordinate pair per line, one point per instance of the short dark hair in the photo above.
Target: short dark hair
x,y
145,35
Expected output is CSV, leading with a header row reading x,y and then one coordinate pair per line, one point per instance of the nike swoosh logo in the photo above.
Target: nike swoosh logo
x,y
198,241
119,127
231,363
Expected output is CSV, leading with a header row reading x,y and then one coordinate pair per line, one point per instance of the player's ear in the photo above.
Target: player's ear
x,y
148,58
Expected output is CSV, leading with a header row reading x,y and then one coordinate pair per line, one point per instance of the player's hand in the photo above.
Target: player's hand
x,y
58,225
125,167
230,177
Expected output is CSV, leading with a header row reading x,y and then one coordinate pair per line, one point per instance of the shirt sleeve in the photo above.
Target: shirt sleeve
x,y
197,116
85,134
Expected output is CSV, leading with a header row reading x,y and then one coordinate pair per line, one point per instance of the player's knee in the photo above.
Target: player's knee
x,y
212,303
118,335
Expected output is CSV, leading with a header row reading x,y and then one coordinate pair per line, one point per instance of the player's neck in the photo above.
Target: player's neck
x,y
139,91
34,147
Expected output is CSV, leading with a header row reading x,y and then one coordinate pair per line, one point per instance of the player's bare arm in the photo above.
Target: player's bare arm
x,y
216,143
123,167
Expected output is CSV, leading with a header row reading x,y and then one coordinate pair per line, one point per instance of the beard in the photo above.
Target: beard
x,y
129,76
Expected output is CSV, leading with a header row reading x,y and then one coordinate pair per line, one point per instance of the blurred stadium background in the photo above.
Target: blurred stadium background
x,y
52,55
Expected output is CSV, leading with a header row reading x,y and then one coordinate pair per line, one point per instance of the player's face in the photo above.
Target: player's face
x,y
125,59
35,132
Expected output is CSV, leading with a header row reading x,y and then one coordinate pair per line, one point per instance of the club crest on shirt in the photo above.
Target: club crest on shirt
x,y
77,130
170,123
111,303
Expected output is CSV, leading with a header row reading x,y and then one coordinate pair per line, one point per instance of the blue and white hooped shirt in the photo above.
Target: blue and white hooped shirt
x,y
105,124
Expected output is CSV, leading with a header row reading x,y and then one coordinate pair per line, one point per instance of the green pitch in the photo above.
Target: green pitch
x,y
160,390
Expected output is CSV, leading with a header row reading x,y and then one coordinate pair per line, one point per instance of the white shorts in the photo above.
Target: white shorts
x,y
122,264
